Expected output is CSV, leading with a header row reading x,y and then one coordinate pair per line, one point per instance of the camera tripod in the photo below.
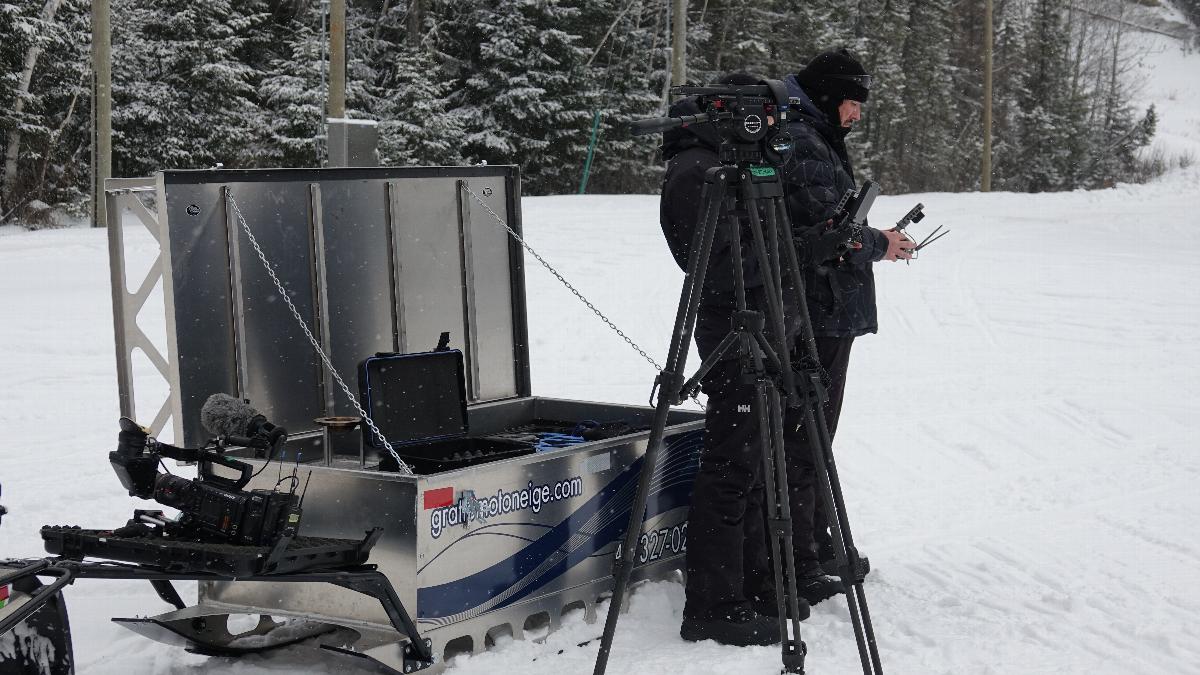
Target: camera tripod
x,y
731,191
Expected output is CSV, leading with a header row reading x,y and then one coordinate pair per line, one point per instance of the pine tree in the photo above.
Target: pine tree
x,y
288,61
183,95
875,144
1011,26
924,142
44,99
521,91
622,84
405,88
1050,112
741,38
1115,132
519,81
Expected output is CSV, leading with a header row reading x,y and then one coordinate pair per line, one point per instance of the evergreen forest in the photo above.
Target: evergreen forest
x,y
243,83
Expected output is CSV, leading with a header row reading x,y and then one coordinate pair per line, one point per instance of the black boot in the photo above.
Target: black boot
x,y
830,566
814,585
769,607
737,627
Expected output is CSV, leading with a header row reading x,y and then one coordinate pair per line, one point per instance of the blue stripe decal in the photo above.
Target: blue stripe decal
x,y
670,489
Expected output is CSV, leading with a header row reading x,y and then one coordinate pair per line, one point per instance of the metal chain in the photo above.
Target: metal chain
x,y
402,466
500,221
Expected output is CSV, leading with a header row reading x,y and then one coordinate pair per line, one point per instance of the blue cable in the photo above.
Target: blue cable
x,y
553,441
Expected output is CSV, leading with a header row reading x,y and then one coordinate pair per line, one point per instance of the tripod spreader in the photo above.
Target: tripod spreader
x,y
748,321
745,323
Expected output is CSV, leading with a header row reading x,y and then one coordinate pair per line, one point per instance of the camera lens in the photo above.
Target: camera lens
x,y
172,490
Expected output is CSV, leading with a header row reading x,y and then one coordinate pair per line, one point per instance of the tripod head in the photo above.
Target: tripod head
x,y
750,120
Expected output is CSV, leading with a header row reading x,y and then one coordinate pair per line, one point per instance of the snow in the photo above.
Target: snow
x,y
1019,445
1169,75
1018,450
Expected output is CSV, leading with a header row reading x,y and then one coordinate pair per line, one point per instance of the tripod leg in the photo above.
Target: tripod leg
x,y
779,524
829,484
836,525
766,248
712,197
843,541
714,193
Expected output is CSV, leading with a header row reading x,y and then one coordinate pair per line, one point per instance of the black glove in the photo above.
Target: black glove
x,y
820,245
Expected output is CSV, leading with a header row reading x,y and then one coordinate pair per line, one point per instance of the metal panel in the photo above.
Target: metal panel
x,y
430,264
237,308
520,320
357,278
466,251
194,226
320,294
373,259
492,307
282,372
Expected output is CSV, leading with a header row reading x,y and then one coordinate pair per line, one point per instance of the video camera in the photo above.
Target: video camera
x,y
751,119
213,509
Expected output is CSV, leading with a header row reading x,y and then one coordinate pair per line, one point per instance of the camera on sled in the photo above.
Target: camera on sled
x,y
213,508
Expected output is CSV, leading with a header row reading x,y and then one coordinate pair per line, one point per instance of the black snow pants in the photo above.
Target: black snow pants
x,y
727,559
728,562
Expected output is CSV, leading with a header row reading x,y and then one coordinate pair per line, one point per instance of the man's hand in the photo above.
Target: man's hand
x,y
899,246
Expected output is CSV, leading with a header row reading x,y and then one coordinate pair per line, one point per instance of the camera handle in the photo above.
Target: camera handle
x,y
206,458
206,473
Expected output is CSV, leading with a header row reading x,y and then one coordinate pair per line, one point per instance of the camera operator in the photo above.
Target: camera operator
x,y
827,100
730,594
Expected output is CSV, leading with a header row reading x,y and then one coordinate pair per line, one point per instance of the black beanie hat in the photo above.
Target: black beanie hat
x,y
838,75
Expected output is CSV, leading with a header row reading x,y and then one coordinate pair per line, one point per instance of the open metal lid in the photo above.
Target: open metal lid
x,y
373,259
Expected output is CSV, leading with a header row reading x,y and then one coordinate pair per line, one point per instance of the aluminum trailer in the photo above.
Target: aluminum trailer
x,y
378,260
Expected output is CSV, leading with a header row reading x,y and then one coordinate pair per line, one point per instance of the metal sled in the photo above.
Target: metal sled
x,y
381,260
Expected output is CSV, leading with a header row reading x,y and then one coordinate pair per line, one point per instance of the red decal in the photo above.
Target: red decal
x,y
436,499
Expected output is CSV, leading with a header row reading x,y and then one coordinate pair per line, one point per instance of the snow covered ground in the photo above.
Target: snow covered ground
x,y
1020,444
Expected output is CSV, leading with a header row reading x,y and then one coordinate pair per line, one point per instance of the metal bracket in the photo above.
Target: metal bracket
x,y
127,305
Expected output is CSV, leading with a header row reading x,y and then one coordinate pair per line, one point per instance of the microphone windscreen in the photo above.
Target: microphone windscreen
x,y
224,415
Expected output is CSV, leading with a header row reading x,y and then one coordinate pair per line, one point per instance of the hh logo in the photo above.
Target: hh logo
x,y
743,407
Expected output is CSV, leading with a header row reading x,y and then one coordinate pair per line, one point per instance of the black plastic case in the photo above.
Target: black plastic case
x,y
419,403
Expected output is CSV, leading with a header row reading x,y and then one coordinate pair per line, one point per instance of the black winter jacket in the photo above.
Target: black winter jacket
x,y
841,296
689,153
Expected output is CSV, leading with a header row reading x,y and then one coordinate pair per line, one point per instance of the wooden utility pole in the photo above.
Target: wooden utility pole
x,y
985,180
337,59
101,108
678,42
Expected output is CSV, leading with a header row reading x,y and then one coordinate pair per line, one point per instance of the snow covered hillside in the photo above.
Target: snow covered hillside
x,y
1020,445
1169,78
